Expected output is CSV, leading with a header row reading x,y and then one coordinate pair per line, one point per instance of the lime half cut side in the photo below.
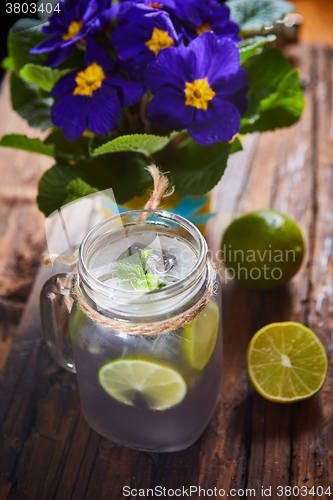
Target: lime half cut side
x,y
160,386
286,362
201,335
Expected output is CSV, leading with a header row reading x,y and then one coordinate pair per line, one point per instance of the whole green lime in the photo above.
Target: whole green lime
x,y
263,249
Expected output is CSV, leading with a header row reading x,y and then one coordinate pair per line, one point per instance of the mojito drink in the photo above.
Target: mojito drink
x,y
155,391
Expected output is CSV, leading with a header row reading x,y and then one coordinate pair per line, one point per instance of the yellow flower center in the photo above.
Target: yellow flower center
x,y
160,40
73,30
89,80
155,5
198,93
88,134
203,27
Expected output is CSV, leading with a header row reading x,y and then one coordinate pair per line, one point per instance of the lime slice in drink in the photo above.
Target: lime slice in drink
x,y
126,379
286,362
201,336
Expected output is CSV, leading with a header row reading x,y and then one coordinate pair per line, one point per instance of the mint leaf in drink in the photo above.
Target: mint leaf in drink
x,y
127,271
134,269
144,256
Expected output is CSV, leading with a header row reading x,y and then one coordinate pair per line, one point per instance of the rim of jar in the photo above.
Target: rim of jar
x,y
99,291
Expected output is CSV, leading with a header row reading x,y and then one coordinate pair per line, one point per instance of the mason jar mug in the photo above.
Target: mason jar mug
x,y
139,322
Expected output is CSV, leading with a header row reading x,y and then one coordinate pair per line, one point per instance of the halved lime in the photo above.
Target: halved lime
x,y
160,386
201,335
286,362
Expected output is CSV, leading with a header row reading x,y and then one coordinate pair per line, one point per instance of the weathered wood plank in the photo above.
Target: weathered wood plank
x,y
313,421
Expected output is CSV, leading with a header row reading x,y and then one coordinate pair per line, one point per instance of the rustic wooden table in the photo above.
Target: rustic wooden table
x,y
48,451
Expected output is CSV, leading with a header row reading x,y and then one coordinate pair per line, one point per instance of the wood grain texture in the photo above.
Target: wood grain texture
x,y
46,448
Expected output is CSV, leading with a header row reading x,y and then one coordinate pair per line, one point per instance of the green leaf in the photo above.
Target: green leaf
x,y
77,188
52,187
59,185
134,269
144,256
140,284
23,36
127,270
146,144
21,141
8,64
125,173
249,46
29,104
42,76
55,145
236,146
275,98
195,169
76,150
154,282
254,15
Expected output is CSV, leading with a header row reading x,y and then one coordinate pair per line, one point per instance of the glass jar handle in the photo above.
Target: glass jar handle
x,y
56,302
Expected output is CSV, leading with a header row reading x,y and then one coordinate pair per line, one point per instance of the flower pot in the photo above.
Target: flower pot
x,y
170,203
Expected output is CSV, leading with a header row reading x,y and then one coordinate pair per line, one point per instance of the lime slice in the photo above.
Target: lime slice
x,y
160,386
286,362
201,336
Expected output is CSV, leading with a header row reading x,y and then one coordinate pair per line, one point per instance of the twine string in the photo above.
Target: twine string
x,y
161,190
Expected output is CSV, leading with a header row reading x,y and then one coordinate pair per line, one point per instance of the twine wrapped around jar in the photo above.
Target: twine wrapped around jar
x,y
168,325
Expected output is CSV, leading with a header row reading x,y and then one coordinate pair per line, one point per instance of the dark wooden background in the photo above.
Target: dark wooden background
x,y
48,451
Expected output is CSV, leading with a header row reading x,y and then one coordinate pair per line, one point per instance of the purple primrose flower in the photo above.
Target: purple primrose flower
x,y
141,34
200,87
149,5
92,99
73,22
197,16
